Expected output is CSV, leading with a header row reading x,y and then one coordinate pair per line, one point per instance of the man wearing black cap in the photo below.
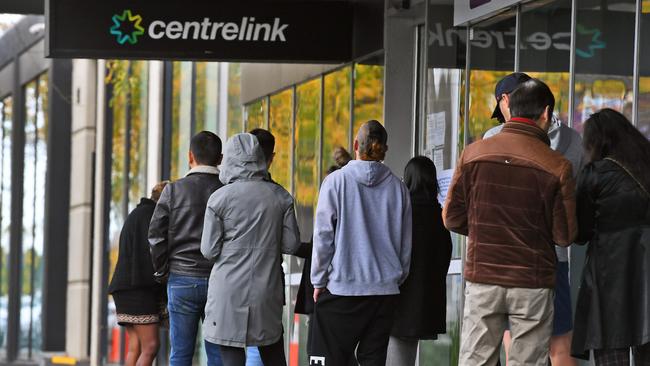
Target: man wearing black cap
x,y
514,198
568,142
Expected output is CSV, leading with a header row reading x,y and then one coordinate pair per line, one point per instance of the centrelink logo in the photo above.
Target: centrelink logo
x,y
128,27
118,28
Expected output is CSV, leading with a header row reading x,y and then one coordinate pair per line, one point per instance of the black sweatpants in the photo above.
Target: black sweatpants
x,y
341,324
272,355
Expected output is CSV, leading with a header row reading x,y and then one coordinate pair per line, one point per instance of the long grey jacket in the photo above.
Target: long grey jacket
x,y
248,224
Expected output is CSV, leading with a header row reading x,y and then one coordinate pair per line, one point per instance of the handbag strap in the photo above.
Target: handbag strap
x,y
630,174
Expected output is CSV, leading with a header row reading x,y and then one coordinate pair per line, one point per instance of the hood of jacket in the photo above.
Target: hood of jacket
x,y
368,173
243,159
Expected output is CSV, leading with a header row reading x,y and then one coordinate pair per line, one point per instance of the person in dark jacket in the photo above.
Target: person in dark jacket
x,y
613,208
422,303
138,297
175,239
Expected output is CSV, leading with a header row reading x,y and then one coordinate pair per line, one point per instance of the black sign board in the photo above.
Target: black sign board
x,y
313,31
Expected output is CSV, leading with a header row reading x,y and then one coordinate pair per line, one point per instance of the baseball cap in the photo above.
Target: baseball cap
x,y
506,86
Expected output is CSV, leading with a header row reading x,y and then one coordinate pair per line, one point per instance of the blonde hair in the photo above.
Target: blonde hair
x,y
157,190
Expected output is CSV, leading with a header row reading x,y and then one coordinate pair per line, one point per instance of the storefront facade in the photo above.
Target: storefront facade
x,y
34,193
119,126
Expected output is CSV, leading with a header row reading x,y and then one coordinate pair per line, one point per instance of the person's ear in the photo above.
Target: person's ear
x,y
356,145
191,158
545,119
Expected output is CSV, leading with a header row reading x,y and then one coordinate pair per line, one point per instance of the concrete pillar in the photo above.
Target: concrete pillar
x,y
399,76
84,86
155,123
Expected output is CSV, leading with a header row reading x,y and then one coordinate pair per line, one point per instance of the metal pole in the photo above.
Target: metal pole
x,y
637,63
517,38
572,63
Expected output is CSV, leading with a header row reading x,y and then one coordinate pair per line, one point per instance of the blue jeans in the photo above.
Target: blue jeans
x,y
186,298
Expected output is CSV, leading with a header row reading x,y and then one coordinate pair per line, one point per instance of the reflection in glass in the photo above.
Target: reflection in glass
x,y
336,114
444,350
545,31
235,122
307,140
207,96
368,93
493,57
256,114
181,117
34,173
128,115
6,116
138,132
280,125
604,58
643,122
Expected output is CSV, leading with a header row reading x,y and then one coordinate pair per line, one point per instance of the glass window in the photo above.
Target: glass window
x,y
181,117
207,96
604,57
280,125
544,49
235,121
256,114
34,173
307,146
127,88
444,89
368,91
6,116
138,98
445,350
643,123
336,114
493,57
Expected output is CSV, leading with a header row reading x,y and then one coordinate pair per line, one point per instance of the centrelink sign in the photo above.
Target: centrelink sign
x,y
311,31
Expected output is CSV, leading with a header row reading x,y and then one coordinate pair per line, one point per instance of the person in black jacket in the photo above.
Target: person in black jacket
x,y
139,299
422,303
613,208
175,240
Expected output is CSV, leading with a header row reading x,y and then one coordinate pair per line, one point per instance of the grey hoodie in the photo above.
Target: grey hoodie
x,y
362,235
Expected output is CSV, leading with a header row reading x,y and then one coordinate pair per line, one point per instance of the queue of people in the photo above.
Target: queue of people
x,y
207,249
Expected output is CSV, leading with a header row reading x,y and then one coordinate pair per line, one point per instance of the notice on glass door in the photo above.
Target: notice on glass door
x,y
436,124
444,180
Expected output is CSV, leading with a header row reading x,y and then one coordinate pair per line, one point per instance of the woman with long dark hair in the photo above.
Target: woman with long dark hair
x,y
613,204
421,307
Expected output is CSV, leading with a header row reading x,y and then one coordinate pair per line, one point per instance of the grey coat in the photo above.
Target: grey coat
x,y
248,224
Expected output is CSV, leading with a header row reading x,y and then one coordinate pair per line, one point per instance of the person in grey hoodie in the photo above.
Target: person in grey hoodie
x,y
361,255
248,224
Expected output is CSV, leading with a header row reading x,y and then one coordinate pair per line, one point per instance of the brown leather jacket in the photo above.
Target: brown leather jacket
x,y
514,198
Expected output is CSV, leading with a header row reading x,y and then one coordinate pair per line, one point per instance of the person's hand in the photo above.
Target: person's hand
x,y
317,292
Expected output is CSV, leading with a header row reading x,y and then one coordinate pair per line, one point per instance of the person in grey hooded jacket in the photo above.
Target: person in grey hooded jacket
x,y
248,224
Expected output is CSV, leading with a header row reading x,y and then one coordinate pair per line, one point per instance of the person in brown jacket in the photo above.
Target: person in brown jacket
x,y
514,198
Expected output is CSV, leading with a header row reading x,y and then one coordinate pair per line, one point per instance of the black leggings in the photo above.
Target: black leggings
x,y
272,355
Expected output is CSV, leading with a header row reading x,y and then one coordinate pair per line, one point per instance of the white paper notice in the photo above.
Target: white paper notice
x,y
439,123
431,128
438,158
444,180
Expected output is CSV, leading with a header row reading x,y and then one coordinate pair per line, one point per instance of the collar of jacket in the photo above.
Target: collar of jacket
x,y
147,201
526,129
205,169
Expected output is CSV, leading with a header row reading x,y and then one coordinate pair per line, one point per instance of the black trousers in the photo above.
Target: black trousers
x,y
272,355
341,324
